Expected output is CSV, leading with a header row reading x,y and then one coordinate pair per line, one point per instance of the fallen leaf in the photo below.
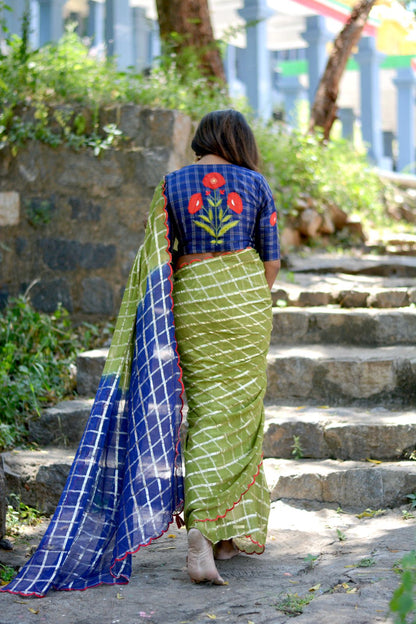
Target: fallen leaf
x,y
120,596
373,461
35,611
352,591
211,616
172,536
315,587
345,585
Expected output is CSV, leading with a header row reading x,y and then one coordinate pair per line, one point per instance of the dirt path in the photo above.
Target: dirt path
x,y
342,565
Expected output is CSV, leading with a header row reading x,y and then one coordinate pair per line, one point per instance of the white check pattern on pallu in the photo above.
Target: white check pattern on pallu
x,y
126,483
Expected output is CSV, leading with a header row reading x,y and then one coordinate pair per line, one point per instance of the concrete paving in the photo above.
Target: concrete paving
x,y
342,565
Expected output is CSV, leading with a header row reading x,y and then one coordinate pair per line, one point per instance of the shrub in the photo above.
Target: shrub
x,y
36,353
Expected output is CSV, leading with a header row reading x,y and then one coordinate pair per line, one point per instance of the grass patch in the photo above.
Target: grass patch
x,y
293,604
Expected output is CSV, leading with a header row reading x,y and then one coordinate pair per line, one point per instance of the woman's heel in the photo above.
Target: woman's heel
x,y
201,565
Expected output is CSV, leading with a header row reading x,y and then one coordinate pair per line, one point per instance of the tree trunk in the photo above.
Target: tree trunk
x,y
191,20
324,108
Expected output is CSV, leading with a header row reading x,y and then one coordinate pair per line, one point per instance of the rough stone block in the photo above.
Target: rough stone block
x,y
46,295
9,208
358,379
389,299
38,477
348,484
61,425
97,296
90,366
353,299
67,255
314,298
84,210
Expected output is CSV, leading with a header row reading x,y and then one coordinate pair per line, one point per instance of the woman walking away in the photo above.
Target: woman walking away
x,y
196,312
224,230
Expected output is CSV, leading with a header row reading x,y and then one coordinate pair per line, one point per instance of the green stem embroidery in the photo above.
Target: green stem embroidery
x,y
215,219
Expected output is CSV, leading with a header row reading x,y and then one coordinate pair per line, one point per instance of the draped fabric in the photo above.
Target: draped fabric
x,y
125,484
223,322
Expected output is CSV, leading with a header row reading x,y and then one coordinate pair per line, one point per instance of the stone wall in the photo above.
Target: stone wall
x,y
71,223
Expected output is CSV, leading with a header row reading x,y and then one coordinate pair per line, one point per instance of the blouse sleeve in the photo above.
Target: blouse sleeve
x,y
267,232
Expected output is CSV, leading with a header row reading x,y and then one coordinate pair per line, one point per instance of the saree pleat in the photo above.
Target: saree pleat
x,y
222,312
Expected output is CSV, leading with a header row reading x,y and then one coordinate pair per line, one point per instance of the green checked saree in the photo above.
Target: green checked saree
x,y
222,311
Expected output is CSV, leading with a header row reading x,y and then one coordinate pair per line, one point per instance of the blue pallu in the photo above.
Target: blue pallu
x,y
126,483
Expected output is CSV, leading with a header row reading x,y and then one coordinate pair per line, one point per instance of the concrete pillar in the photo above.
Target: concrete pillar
x,y
141,39
347,118
369,60
34,24
13,18
119,32
405,83
256,73
95,24
155,48
51,21
236,88
293,92
317,36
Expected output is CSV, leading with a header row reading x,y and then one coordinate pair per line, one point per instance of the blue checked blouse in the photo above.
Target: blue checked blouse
x,y
221,207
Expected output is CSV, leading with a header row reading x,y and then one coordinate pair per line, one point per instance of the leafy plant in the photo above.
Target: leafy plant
x,y
412,498
7,573
36,353
293,604
341,535
19,514
297,450
299,166
311,560
403,602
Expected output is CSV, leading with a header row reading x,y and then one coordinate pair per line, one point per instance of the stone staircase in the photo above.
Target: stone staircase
x,y
341,398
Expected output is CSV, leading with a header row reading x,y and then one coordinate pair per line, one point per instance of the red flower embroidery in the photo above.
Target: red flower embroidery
x,y
213,180
273,218
235,203
195,203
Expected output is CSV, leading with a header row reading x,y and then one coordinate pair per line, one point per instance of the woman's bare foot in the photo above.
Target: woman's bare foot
x,y
225,549
201,565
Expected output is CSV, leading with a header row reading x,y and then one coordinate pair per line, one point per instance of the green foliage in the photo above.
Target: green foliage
x,y
297,450
293,604
403,602
7,573
59,93
298,165
56,94
36,353
19,514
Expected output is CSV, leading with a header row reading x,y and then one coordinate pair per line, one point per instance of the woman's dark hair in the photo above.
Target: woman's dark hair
x,y
227,134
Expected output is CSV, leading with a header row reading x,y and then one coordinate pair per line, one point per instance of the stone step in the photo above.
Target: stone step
x,y
373,327
61,425
363,264
342,375
90,366
38,477
358,485
339,433
334,374
361,297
